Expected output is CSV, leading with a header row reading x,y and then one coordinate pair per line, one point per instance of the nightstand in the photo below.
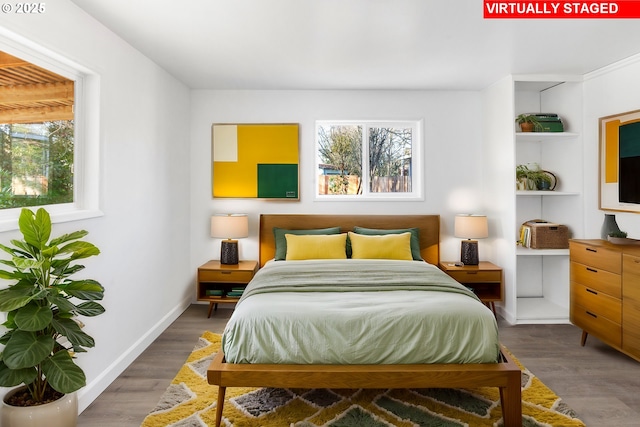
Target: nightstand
x,y
215,281
485,279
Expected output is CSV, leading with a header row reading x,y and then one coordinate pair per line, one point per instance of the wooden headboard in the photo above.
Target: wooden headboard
x,y
429,226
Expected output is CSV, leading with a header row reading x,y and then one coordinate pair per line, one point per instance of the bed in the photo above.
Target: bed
x,y
471,365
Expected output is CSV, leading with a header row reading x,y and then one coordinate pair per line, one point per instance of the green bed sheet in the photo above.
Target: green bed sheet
x,y
359,312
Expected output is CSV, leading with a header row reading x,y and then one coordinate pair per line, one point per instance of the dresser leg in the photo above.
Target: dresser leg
x,y
583,340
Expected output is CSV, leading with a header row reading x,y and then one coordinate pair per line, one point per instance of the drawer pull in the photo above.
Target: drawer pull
x,y
592,291
591,314
472,272
593,270
225,272
591,249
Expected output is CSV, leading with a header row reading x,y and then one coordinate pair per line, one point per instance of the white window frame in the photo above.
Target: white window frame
x,y
417,144
86,181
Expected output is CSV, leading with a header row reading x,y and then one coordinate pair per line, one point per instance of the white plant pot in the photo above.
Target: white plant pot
x,y
61,413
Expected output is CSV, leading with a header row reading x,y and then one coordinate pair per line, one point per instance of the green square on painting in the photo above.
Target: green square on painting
x,y
278,181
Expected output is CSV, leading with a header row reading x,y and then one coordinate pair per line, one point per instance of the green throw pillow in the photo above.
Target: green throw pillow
x,y
281,241
415,238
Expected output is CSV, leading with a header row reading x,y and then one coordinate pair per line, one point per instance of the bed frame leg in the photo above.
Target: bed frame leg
x,y
220,405
511,400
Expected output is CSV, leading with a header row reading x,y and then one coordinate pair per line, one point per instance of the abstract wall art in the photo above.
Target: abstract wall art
x,y
255,161
620,162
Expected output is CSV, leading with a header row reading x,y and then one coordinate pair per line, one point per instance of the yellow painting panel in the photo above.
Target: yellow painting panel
x,y
268,144
234,179
611,147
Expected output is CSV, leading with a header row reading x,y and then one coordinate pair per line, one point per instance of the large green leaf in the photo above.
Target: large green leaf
x,y
63,304
36,229
90,309
25,349
84,289
63,374
80,250
13,377
68,237
72,331
15,297
27,263
33,317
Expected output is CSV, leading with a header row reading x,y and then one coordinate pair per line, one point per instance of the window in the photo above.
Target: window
x,y
48,142
393,168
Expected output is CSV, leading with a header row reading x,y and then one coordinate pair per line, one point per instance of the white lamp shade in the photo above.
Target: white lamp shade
x,y
229,226
471,226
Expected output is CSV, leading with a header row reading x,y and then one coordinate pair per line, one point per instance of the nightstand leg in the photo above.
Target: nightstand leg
x,y
210,308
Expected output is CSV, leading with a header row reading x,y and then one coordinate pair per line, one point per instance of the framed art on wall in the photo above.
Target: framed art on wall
x,y
255,161
620,162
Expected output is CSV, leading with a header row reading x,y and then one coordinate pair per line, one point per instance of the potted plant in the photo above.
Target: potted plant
x,y
43,332
531,177
618,237
528,123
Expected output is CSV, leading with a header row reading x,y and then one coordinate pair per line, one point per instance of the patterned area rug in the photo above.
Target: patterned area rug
x,y
190,402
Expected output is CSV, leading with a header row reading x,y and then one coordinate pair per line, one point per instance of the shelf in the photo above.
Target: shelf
x,y
540,311
543,136
545,193
521,251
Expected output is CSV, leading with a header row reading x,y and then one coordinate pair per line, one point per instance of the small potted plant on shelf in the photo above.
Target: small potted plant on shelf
x,y
531,177
528,123
43,332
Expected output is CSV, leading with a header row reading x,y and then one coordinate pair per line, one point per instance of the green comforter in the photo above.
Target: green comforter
x,y
358,312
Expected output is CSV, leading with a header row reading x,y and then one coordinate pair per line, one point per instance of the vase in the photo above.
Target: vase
x,y
609,226
61,413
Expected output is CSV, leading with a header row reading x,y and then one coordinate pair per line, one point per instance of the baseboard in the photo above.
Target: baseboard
x,y
92,390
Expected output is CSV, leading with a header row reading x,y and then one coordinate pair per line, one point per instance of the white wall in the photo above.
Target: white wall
x,y
145,189
452,133
611,90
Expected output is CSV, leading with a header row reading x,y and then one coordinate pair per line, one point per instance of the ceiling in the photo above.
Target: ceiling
x,y
357,44
30,94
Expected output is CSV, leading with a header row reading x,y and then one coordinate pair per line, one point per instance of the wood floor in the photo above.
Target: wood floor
x,y
600,384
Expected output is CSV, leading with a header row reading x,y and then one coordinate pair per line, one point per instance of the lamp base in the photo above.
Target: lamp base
x,y
229,252
469,252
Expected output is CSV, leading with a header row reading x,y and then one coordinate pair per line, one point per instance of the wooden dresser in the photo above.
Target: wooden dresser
x,y
605,293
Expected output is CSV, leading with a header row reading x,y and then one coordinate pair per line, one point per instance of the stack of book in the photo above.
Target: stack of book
x,y
213,292
235,292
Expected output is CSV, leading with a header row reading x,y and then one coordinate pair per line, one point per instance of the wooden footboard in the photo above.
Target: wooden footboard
x,y
504,374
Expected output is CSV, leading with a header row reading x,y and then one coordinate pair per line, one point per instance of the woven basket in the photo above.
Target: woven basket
x,y
546,235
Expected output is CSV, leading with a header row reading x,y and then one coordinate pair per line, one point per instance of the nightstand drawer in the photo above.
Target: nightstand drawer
x,y
476,276
601,280
596,302
225,276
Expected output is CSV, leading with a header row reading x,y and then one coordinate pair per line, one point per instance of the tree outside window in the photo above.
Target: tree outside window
x,y
389,147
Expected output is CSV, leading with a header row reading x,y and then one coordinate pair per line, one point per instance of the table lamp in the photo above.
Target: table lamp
x,y
229,227
470,227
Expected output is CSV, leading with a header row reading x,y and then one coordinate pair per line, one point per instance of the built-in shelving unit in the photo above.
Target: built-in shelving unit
x,y
541,277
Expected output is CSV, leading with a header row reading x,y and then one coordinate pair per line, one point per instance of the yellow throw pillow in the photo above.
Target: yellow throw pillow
x,y
321,246
387,246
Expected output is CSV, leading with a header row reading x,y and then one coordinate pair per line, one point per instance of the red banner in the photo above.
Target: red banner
x,y
622,9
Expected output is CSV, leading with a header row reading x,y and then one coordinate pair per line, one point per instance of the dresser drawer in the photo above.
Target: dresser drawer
x,y
603,328
596,257
225,276
476,276
601,280
596,302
